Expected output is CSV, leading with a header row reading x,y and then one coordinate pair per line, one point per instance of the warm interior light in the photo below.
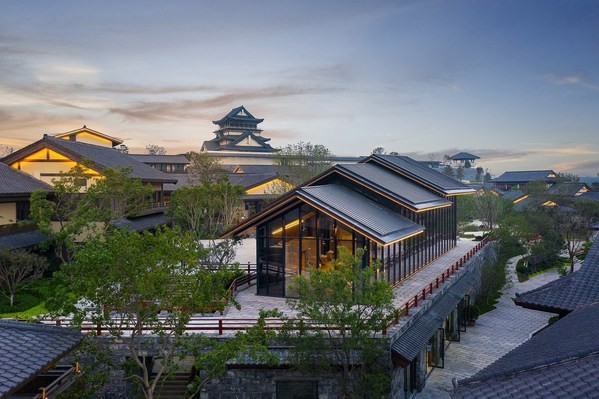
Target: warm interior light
x,y
287,226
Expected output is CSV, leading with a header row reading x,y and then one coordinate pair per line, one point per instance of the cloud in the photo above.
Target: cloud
x,y
588,166
183,109
574,79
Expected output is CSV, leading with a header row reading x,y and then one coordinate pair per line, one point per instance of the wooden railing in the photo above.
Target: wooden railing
x,y
222,325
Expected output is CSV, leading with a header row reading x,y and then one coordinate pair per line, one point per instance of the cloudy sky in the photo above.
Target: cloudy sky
x,y
514,82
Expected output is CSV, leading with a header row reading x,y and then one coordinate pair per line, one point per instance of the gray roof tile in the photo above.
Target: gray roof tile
x,y
569,292
101,157
553,363
14,182
356,210
23,239
28,349
525,176
421,174
150,158
393,185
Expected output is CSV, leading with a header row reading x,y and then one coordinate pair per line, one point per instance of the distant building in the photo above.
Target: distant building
x,y
463,159
519,178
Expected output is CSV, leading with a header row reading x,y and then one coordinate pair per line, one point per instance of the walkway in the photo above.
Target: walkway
x,y
495,334
252,303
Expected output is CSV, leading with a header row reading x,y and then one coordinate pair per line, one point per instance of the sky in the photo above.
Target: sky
x,y
514,82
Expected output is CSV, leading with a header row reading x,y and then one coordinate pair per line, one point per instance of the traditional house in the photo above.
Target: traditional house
x,y
464,159
401,211
518,179
15,189
164,163
47,159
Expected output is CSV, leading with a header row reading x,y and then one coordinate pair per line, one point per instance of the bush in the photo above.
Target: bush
x,y
522,269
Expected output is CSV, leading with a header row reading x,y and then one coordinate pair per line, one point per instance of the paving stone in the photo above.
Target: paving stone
x,y
496,333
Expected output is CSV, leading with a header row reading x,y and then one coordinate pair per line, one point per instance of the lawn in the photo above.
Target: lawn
x,y
29,302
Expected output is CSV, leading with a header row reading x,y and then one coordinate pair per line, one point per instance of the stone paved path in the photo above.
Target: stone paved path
x,y
495,333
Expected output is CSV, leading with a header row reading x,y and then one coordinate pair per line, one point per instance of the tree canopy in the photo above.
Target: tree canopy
x,y
297,163
349,305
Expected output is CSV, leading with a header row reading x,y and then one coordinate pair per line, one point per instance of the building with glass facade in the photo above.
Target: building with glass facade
x,y
402,212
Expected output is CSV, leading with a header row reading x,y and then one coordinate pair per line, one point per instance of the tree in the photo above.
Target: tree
x,y
378,151
459,173
211,356
573,228
154,149
487,177
207,209
203,166
479,173
339,313
297,163
490,208
72,210
18,269
564,177
467,164
448,171
127,279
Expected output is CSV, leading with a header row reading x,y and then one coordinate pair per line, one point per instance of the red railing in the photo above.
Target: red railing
x,y
428,289
222,325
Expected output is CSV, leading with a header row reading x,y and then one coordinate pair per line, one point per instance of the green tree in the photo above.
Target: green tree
x,y
490,208
459,173
18,269
73,210
339,313
205,167
297,163
448,171
207,209
211,355
378,151
154,149
479,174
126,280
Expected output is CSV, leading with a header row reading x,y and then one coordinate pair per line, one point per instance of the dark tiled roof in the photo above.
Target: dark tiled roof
x,y
27,349
567,188
410,343
251,169
463,156
101,157
513,195
143,223
250,180
357,211
567,293
234,115
183,180
24,239
233,141
421,174
149,158
14,182
393,185
554,363
593,195
525,176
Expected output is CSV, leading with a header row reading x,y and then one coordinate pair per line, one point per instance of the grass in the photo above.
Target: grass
x,y
29,302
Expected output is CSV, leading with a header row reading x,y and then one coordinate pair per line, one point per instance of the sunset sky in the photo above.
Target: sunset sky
x,y
514,82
